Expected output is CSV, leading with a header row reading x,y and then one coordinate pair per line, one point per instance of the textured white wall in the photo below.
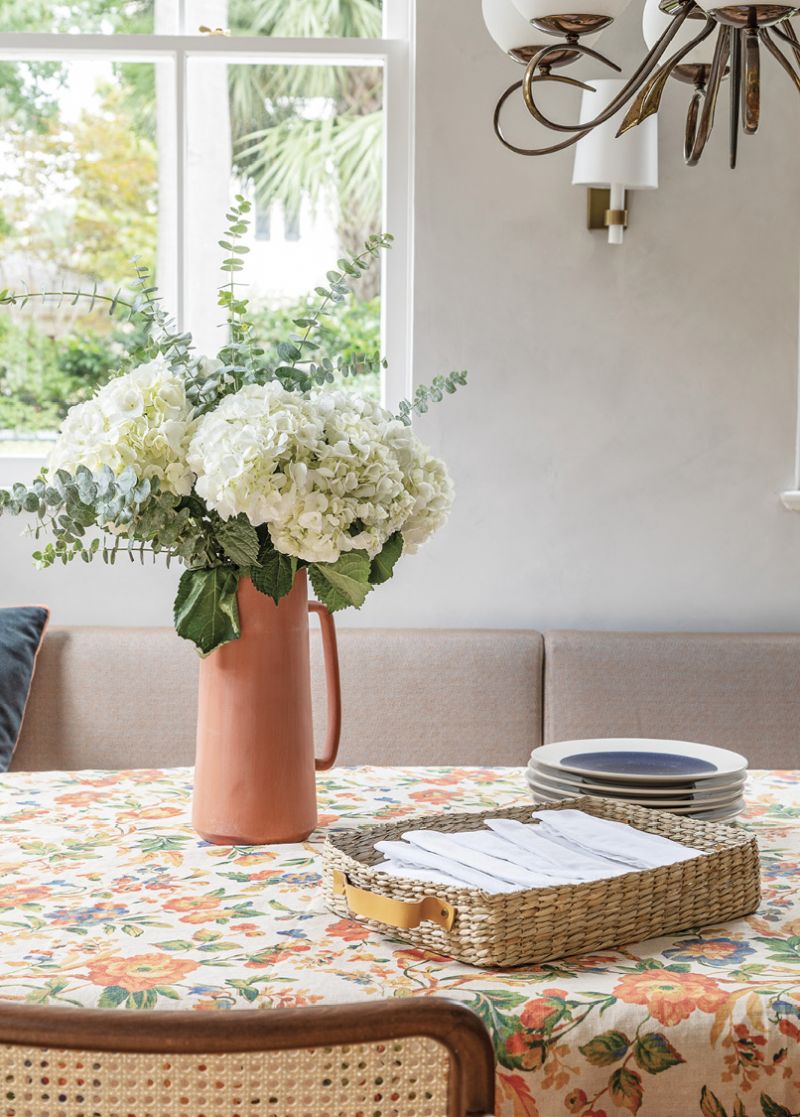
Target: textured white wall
x,y
631,415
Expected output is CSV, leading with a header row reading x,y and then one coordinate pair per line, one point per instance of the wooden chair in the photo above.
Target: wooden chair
x,y
418,1057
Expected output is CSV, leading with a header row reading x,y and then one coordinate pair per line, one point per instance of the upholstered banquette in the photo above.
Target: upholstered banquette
x,y
125,697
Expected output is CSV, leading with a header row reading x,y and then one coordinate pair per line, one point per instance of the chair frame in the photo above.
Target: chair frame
x,y
458,1029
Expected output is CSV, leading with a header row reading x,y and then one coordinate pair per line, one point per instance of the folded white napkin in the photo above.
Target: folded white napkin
x,y
553,858
455,848
615,840
408,872
560,847
414,857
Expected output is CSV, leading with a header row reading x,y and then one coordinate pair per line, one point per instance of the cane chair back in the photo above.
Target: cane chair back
x,y
413,1058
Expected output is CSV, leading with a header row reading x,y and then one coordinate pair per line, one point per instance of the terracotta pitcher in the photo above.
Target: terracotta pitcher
x,y
255,773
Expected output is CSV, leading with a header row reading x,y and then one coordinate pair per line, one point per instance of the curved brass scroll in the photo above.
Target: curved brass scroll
x,y
629,89
698,142
649,98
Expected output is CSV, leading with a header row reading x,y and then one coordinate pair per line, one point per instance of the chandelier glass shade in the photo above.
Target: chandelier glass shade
x,y
704,46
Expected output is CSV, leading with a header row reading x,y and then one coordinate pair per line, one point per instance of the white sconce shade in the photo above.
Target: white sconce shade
x,y
629,162
509,28
654,24
540,9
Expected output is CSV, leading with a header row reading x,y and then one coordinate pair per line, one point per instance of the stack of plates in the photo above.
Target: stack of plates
x,y
695,780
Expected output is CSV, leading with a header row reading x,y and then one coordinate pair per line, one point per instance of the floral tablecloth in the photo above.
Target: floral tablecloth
x,y
108,898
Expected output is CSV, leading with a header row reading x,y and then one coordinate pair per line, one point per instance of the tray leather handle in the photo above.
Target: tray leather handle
x,y
402,914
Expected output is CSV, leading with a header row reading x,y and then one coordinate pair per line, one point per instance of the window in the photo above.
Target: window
x,y
126,131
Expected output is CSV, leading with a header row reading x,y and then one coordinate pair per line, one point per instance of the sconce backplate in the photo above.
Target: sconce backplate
x,y
599,215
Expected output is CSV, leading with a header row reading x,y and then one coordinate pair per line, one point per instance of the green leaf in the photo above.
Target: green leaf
x,y
174,944
344,582
771,1108
206,611
606,1048
239,540
626,1089
710,1105
145,998
112,996
654,1053
383,564
275,576
132,930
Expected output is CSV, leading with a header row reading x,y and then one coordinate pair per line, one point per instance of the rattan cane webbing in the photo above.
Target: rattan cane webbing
x,y
396,1078
540,924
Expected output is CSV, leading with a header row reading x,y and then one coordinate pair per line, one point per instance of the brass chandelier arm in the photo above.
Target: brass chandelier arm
x,y
787,33
649,98
641,74
692,118
718,64
751,92
777,53
736,94
498,130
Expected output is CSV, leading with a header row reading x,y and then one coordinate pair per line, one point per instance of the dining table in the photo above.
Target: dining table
x,y
109,899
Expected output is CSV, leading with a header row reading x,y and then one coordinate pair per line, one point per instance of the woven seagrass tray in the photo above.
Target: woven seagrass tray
x,y
540,924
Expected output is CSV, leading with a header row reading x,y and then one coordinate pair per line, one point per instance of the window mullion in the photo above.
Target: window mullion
x,y
181,134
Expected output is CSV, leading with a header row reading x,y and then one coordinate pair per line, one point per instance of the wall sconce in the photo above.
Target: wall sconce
x,y
610,166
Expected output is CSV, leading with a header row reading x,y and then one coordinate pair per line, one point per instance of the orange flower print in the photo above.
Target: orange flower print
x,y
162,811
435,797
257,857
671,997
348,930
143,971
538,1013
78,798
197,909
530,1054
14,895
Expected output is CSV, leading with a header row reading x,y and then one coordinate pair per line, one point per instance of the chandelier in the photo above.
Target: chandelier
x,y
701,46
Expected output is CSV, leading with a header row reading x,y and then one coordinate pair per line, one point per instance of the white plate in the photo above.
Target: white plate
x,y
641,760
582,784
667,800
546,795
721,815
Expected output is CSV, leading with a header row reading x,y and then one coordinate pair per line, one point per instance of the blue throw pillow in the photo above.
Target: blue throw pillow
x,y
21,633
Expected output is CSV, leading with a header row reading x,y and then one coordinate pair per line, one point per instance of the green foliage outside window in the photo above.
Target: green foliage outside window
x,y
111,210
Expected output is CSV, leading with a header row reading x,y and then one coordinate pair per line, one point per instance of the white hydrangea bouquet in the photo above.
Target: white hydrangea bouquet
x,y
245,465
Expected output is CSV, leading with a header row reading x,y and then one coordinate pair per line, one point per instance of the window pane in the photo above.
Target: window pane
x,y
305,145
359,19
79,199
282,18
134,17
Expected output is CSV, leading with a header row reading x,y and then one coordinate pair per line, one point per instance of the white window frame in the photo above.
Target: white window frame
x,y
394,53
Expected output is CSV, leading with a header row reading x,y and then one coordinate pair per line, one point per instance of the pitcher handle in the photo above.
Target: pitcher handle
x,y
332,686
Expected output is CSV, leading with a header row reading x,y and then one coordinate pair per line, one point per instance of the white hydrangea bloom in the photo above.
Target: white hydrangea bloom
x,y
243,450
428,484
141,420
328,472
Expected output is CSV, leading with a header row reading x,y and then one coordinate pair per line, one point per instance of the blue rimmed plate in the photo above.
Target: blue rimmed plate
x,y
641,760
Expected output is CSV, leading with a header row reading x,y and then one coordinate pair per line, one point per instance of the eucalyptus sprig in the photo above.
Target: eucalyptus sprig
x,y
425,395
